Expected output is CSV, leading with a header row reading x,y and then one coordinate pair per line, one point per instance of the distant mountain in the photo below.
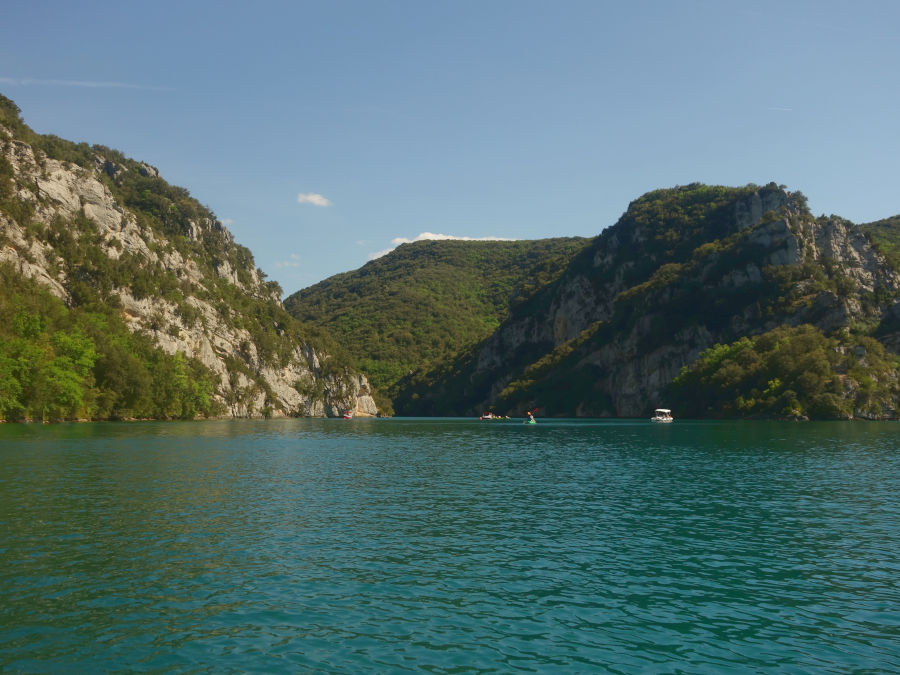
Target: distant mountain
x,y
124,297
712,301
425,303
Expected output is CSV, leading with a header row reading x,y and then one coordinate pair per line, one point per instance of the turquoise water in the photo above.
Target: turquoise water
x,y
450,546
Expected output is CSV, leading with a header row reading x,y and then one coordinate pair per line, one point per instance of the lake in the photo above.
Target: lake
x,y
450,546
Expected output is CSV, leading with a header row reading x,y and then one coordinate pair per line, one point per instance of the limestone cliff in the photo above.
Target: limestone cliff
x,y
680,272
111,228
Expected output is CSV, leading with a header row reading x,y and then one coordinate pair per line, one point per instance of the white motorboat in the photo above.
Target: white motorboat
x,y
662,415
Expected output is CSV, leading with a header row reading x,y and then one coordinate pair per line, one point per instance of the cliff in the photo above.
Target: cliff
x,y
682,271
96,228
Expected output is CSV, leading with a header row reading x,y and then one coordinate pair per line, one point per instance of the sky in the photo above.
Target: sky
x,y
324,133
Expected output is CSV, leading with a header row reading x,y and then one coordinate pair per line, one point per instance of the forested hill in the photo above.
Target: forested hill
x,y
123,297
710,300
426,302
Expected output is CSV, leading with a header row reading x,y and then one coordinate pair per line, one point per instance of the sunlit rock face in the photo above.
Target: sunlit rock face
x,y
59,191
769,229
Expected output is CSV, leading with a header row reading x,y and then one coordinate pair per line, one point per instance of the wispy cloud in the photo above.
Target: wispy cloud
x,y
313,198
91,84
432,236
294,261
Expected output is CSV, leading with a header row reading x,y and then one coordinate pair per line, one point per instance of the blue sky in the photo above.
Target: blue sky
x,y
323,133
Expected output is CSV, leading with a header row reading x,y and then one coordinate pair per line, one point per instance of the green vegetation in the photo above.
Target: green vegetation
x,y
58,363
885,235
175,227
663,226
425,303
790,373
673,272
677,273
661,264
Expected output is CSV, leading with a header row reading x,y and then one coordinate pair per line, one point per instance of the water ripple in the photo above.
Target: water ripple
x,y
448,546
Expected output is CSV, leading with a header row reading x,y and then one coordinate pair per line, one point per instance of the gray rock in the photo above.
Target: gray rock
x,y
56,188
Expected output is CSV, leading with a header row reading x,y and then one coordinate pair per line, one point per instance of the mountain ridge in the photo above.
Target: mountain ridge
x,y
683,270
427,299
121,285
108,237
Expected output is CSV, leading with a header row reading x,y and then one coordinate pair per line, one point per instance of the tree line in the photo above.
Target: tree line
x,y
58,363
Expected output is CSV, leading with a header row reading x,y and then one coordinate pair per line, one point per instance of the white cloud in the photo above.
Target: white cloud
x,y
293,262
313,198
432,236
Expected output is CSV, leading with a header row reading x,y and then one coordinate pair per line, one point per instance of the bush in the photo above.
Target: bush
x,y
789,372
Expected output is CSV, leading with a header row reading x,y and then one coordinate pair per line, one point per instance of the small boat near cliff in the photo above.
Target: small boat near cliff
x,y
492,416
662,415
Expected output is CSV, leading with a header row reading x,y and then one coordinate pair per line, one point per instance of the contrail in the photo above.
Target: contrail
x,y
28,81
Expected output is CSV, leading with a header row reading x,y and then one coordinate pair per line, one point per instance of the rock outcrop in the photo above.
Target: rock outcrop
x,y
192,319
635,308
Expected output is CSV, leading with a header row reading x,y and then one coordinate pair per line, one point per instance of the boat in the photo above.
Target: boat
x,y
348,415
662,415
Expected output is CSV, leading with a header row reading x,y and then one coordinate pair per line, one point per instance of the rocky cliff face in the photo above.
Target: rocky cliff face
x,y
641,303
76,203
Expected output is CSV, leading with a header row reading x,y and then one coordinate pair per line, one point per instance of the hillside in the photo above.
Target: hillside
x,y
124,297
754,305
426,302
885,236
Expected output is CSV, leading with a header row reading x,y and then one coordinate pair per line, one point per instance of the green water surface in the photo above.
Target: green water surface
x,y
446,545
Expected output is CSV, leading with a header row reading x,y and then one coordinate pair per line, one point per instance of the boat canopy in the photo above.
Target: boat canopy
x,y
664,411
